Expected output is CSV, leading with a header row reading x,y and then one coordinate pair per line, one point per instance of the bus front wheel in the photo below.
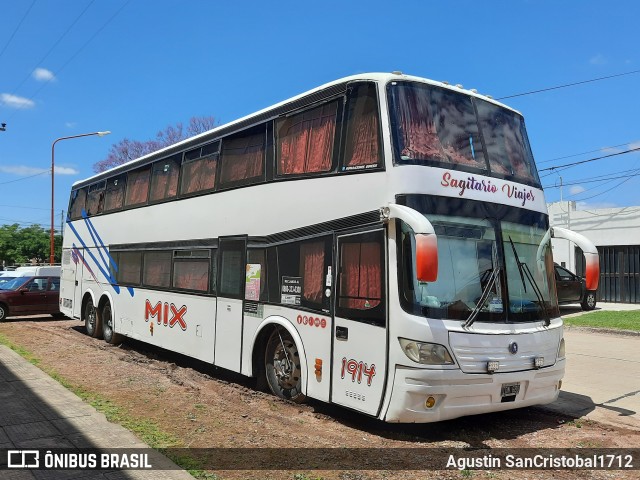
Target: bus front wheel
x,y
282,366
91,320
107,326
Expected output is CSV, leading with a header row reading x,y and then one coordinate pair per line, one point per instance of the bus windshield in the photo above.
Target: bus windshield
x,y
489,265
440,127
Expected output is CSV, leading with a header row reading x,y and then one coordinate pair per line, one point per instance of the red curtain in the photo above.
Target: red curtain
x,y
191,274
305,141
364,147
157,269
361,276
312,262
137,187
199,175
242,158
164,183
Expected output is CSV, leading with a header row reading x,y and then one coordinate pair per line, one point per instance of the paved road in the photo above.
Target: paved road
x,y
602,379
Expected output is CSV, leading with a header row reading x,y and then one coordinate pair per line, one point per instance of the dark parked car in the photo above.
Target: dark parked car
x,y
572,289
30,296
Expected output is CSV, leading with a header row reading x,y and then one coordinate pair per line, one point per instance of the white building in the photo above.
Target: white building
x,y
616,233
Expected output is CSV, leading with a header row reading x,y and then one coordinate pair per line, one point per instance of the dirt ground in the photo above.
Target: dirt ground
x,y
205,407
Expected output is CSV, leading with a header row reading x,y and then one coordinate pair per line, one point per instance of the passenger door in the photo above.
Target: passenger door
x,y
229,317
33,297
360,327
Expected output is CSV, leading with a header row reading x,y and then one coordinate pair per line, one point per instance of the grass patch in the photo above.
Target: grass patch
x,y
31,358
627,320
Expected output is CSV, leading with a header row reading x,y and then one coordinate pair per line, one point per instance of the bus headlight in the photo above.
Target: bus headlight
x,y
425,353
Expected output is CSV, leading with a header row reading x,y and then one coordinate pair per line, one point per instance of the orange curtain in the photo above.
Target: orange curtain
x,y
312,261
361,276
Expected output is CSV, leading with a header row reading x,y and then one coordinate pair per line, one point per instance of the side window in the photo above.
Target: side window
x,y
199,169
361,274
95,198
157,269
77,203
563,274
114,195
302,269
129,268
137,187
37,285
362,133
164,179
243,157
54,284
305,141
191,269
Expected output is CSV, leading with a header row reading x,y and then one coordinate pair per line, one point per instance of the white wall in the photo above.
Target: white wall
x,y
603,226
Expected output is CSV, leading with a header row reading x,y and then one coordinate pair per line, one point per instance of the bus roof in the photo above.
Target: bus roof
x,y
377,77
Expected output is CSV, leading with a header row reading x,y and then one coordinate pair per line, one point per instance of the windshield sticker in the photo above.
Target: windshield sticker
x,y
462,185
359,167
252,281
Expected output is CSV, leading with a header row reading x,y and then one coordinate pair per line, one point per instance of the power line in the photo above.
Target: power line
x,y
567,85
17,28
54,45
26,178
580,182
584,153
45,83
567,165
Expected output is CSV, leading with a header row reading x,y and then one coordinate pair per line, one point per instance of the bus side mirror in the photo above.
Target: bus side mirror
x,y
426,257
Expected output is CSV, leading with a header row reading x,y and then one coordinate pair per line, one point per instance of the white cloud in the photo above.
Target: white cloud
x,y
70,124
598,59
25,171
66,171
575,190
13,101
43,75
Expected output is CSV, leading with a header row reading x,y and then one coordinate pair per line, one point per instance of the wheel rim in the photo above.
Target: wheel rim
x,y
285,364
106,317
91,317
591,300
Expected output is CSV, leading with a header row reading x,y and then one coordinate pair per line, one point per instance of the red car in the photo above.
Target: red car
x,y
30,296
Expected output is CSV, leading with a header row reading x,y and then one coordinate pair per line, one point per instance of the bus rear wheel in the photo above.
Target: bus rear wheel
x,y
107,326
91,320
282,366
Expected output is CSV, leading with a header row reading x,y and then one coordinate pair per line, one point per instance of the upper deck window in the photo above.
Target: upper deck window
x,y
439,127
362,136
506,140
305,140
164,179
114,196
137,187
243,157
199,169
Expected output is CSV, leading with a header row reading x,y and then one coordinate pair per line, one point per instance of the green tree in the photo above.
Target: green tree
x,y
25,244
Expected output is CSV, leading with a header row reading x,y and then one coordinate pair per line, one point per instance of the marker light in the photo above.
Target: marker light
x,y
561,350
429,402
425,353
493,366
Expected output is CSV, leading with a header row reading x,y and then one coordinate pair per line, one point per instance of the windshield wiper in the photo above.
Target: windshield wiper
x,y
483,297
524,270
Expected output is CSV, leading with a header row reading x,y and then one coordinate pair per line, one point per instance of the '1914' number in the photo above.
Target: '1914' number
x,y
357,370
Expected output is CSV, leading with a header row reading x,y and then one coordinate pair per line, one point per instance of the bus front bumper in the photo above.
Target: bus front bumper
x,y
453,394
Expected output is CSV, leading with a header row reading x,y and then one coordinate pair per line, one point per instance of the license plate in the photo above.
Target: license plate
x,y
509,389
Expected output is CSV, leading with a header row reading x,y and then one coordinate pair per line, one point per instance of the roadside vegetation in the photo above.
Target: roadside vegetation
x,y
627,320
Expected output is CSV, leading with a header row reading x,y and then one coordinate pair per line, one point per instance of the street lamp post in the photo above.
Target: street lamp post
x,y
100,134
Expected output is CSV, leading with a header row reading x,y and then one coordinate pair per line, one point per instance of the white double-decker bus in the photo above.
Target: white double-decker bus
x,y
380,242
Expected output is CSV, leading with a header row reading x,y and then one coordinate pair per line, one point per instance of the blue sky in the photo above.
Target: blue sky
x,y
134,67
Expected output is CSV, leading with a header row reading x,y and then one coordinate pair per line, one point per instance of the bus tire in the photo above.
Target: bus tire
x,y
92,320
108,334
282,366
